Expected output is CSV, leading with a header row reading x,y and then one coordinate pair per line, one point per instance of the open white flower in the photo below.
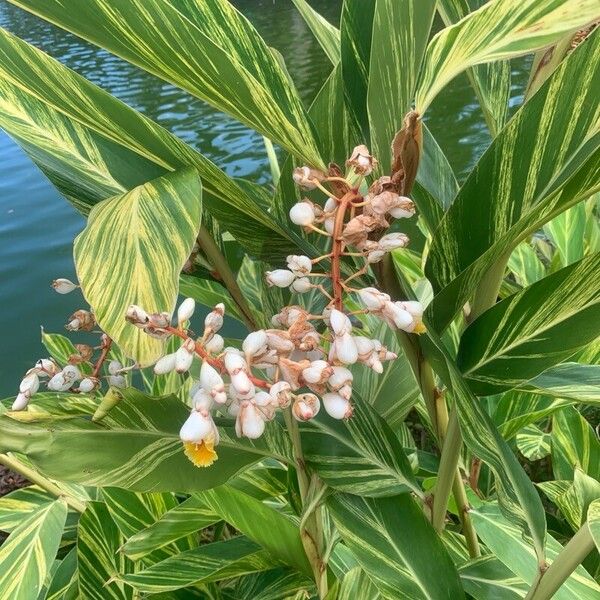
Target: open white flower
x,y
200,435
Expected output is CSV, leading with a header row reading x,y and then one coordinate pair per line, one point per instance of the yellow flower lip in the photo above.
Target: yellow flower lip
x,y
420,328
201,454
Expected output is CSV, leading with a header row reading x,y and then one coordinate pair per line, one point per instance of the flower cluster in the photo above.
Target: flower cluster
x,y
302,362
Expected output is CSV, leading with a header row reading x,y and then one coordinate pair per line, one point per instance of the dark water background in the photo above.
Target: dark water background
x,y
37,226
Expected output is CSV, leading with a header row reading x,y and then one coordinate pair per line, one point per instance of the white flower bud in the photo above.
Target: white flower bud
x,y
234,361
364,346
46,367
375,256
114,366
302,285
345,349
212,382
117,381
336,406
391,241
345,392
302,213
165,365
305,407
255,343
340,377
137,316
186,310
299,265
249,422
185,356
394,311
262,399
280,278
197,427
242,384
21,401
329,225
29,384
318,372
88,385
214,319
202,400
63,286
281,394
361,160
65,379
71,373
215,344
303,177
404,209
73,325
373,299
340,323
415,308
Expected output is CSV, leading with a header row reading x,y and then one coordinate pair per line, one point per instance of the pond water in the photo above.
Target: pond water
x,y
37,226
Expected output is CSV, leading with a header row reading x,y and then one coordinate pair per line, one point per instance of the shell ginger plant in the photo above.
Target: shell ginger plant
x,y
358,417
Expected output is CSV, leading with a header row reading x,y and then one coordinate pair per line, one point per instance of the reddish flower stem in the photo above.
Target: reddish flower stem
x,y
106,344
217,363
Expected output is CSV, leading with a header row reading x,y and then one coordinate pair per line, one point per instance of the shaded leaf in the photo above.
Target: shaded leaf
x,y
533,443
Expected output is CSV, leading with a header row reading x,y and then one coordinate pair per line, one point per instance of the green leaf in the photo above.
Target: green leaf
x,y
209,49
399,37
575,500
209,293
21,504
491,81
263,524
574,443
593,518
396,546
276,584
99,561
525,264
567,232
501,29
355,585
569,380
64,577
533,443
486,578
361,455
185,519
212,562
27,555
93,146
325,33
521,181
141,449
506,542
131,252
525,334
60,349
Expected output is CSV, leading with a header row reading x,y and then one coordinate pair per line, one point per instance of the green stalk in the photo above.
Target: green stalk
x,y
568,559
273,162
488,288
219,262
38,479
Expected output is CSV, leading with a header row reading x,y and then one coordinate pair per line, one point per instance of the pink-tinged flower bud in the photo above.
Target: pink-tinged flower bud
x,y
404,208
234,361
21,401
242,384
215,344
197,427
361,161
164,365
281,394
280,278
63,286
46,367
279,341
305,176
255,344
117,381
302,214
299,265
339,378
81,320
345,392
364,346
336,406
375,256
137,316
373,299
391,241
416,309
345,349
30,384
318,372
305,407
340,323
249,422
157,325
212,382
186,310
114,366
395,313
89,384
202,400
302,285
185,356
214,319
262,399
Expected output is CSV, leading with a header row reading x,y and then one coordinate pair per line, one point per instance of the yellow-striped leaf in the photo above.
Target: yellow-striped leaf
x,y
275,584
486,578
64,578
533,443
500,29
569,380
20,504
207,48
27,555
326,34
531,331
523,180
131,252
593,519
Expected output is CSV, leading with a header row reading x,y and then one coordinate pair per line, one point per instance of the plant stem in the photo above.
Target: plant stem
x,y
312,531
273,162
38,479
487,291
549,580
219,262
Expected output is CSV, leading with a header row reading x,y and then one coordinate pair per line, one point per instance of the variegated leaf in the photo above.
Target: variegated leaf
x,y
19,505
65,578
506,542
131,252
511,206
569,380
27,555
593,519
208,49
499,30
326,34
60,348
276,584
525,334
533,443
356,584
567,232
525,264
211,562
381,533
486,578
